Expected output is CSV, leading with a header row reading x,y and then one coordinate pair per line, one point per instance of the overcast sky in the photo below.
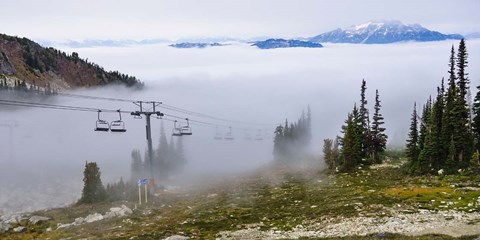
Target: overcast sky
x,y
173,19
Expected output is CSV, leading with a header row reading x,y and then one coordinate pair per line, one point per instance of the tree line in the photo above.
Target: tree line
x,y
364,140
168,159
445,136
292,140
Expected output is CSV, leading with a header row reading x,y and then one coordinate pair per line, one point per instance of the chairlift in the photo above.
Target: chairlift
x,y
177,131
259,137
101,125
118,125
229,134
248,136
218,134
186,130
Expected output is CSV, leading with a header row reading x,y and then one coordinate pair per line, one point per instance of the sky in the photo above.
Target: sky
x,y
176,19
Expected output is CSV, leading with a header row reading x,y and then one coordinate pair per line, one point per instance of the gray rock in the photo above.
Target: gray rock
x,y
37,219
15,219
177,237
93,217
79,221
66,225
19,229
4,227
118,212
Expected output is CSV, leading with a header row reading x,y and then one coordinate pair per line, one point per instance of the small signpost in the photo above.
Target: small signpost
x,y
142,182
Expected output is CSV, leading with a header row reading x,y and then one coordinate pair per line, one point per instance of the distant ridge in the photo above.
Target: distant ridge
x,y
382,32
22,60
195,45
283,43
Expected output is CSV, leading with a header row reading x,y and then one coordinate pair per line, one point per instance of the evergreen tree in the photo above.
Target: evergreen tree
x,y
412,149
476,119
350,149
161,155
378,136
137,168
93,190
328,153
425,119
278,143
365,121
462,135
437,146
448,120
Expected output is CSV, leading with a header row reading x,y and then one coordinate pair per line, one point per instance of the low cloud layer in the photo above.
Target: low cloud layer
x,y
235,82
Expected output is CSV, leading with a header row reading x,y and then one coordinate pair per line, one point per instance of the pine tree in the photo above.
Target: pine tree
x,y
412,149
364,118
161,155
437,146
180,155
448,120
328,153
378,136
476,119
278,143
462,135
425,119
93,190
137,168
350,148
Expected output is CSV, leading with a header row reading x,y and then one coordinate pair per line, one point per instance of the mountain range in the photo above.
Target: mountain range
x,y
381,32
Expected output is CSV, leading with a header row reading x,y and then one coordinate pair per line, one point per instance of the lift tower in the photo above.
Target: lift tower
x,y
147,114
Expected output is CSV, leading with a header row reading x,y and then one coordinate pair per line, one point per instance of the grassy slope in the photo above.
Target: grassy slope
x,y
278,198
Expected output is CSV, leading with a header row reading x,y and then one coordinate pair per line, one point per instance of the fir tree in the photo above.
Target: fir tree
x,y
93,190
350,149
476,119
378,136
364,118
412,149
137,168
437,146
328,153
462,135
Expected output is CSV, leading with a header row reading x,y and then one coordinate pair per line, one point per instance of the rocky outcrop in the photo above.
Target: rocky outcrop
x,y
37,219
6,67
94,217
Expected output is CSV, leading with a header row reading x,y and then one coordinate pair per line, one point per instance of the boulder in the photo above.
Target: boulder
x,y
66,225
177,237
19,229
93,217
79,221
118,212
37,219
4,227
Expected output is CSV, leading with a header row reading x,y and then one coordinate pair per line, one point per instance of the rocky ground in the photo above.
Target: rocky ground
x,y
277,203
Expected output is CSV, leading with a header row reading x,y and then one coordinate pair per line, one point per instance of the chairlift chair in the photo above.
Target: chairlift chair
x,y
101,125
177,131
186,130
118,125
259,136
218,135
229,134
248,136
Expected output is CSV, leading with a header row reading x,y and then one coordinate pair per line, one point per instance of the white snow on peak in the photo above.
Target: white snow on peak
x,y
385,25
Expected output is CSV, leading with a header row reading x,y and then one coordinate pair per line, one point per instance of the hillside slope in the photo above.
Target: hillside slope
x,y
282,203
24,60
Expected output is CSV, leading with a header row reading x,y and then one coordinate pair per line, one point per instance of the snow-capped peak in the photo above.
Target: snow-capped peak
x,y
385,31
